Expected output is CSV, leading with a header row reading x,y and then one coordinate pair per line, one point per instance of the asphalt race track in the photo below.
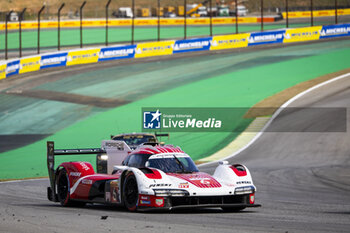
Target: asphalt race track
x,y
302,178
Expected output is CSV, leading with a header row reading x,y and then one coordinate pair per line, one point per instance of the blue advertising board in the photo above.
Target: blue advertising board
x,y
119,52
329,31
257,38
192,45
53,60
12,68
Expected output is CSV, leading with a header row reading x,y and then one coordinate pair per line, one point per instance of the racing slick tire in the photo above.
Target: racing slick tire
x,y
62,184
130,192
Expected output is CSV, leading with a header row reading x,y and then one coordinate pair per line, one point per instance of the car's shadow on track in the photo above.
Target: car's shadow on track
x,y
110,208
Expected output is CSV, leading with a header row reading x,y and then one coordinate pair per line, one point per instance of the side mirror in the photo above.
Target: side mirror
x,y
147,164
223,162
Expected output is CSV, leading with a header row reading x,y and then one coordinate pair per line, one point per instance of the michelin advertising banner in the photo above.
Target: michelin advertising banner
x,y
230,41
53,60
12,68
120,52
258,38
3,71
330,31
29,64
82,57
302,34
192,45
154,49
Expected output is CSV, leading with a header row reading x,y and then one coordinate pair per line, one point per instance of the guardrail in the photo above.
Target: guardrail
x,y
93,55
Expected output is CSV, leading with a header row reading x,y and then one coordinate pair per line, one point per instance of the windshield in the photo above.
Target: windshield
x,y
173,163
135,140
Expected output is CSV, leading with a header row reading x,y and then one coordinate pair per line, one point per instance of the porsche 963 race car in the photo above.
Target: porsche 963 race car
x,y
148,177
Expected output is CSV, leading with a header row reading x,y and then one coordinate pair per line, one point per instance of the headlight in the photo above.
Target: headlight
x,y
170,192
244,190
104,157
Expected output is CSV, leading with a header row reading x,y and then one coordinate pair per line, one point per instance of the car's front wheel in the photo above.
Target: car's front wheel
x,y
130,192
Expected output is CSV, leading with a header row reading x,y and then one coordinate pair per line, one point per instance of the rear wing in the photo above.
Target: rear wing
x,y
109,147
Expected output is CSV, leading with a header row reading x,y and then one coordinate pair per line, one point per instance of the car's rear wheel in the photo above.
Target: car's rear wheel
x,y
130,192
62,184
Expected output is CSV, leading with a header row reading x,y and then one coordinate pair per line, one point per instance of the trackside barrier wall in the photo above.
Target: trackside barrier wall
x,y
315,13
137,22
93,55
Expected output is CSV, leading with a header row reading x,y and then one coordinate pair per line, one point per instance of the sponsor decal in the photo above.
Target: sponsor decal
x,y
12,68
29,64
82,57
335,31
119,52
243,182
84,166
192,45
86,181
144,198
3,71
206,181
154,49
184,185
159,202
75,174
53,60
143,202
108,196
230,41
258,38
302,34
159,185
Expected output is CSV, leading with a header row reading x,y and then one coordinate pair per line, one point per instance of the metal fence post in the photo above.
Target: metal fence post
x,y
59,27
132,21
107,5
336,11
6,34
21,15
158,20
287,19
211,18
312,12
185,19
81,23
236,16
39,13
262,15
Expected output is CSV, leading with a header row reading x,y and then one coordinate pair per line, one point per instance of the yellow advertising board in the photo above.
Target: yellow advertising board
x,y
320,13
302,34
3,71
230,41
82,57
29,64
137,22
154,49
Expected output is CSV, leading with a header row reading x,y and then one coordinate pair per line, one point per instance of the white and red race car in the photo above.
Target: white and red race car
x,y
149,177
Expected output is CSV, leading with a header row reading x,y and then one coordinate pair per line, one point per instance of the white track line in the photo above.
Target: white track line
x,y
17,181
279,110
